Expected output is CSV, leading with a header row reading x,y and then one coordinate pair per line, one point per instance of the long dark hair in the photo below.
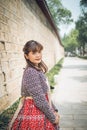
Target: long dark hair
x,y
34,46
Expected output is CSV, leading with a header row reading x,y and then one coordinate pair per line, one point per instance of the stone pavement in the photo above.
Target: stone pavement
x,y
70,94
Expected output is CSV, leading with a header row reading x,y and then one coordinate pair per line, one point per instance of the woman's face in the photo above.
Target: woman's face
x,y
34,57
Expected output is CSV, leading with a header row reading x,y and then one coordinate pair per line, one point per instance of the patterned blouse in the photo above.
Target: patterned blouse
x,y
34,84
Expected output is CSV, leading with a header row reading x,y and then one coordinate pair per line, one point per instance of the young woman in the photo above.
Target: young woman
x,y
36,111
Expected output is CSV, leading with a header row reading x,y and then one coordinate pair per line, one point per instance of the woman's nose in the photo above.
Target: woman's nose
x,y
38,54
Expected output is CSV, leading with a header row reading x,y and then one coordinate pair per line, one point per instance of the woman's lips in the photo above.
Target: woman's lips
x,y
38,59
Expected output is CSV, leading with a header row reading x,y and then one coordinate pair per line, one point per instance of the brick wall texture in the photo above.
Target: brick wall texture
x,y
20,21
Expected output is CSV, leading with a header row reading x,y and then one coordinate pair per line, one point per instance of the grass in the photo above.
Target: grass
x,y
6,116
54,71
83,57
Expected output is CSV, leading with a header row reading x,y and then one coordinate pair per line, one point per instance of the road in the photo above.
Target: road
x,y
70,94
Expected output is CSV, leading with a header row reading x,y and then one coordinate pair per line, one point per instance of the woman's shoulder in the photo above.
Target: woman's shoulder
x,y
31,70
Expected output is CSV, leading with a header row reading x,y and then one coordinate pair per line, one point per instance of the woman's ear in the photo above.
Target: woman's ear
x,y
26,56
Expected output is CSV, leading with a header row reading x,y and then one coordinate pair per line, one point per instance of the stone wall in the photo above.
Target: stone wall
x,y
20,21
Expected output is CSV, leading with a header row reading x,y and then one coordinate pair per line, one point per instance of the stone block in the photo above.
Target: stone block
x,y
65,117
66,128
7,13
80,116
83,128
2,45
2,36
8,47
1,9
6,37
2,79
69,123
79,106
3,91
4,55
4,102
4,2
0,57
2,25
0,68
5,66
14,85
13,96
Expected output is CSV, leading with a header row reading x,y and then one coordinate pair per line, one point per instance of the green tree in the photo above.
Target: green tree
x,y
83,3
70,41
59,13
81,26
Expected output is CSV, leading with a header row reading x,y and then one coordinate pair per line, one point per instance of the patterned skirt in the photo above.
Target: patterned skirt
x,y
31,118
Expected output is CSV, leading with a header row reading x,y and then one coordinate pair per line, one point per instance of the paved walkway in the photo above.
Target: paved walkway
x,y
70,94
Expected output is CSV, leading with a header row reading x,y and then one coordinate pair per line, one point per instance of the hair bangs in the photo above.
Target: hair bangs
x,y
36,47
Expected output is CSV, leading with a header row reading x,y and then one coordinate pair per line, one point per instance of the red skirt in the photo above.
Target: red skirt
x,y
31,118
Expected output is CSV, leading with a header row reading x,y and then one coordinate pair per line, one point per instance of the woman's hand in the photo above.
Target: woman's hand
x,y
57,118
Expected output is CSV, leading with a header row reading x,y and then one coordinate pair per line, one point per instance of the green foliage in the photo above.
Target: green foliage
x,y
6,116
55,70
70,41
59,13
81,26
83,3
83,57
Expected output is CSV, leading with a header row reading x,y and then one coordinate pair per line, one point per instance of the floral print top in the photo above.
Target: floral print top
x,y
34,84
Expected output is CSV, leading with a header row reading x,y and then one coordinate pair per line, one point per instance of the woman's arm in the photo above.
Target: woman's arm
x,y
54,107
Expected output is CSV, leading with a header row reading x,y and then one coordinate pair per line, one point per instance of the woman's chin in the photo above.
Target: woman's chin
x,y
39,61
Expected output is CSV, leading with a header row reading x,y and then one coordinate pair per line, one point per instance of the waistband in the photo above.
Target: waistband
x,y
28,97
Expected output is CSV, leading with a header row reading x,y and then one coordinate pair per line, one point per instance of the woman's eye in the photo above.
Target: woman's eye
x,y
33,52
36,52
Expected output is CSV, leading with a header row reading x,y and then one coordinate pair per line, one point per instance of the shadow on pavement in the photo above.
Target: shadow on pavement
x,y
80,78
80,67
